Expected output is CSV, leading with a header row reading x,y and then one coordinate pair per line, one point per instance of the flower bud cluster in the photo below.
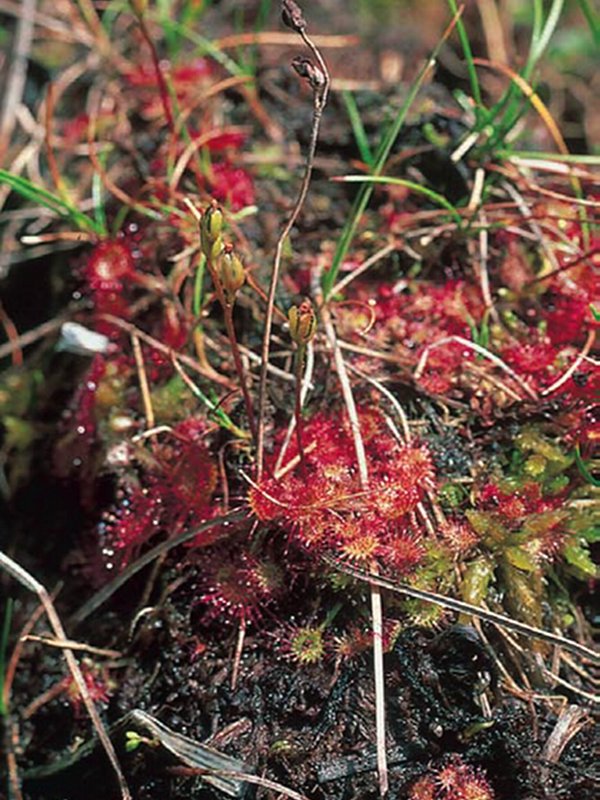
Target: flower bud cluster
x,y
227,266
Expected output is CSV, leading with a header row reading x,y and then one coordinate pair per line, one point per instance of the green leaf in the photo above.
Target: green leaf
x,y
578,556
520,559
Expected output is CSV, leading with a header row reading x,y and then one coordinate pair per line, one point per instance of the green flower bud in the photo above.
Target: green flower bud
x,y
211,225
231,273
303,322
139,7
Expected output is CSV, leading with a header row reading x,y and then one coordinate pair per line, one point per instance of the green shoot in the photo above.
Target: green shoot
x,y
435,197
468,53
42,197
358,128
592,19
364,195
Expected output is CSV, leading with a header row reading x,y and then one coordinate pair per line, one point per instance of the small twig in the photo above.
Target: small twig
x,y
143,381
239,647
163,89
299,357
69,644
11,759
32,336
304,388
341,284
386,393
17,71
526,213
571,720
168,351
320,82
12,334
29,582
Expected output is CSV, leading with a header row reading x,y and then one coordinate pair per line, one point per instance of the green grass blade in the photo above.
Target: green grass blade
x,y
206,47
198,287
436,198
592,18
42,197
358,128
512,100
468,53
364,195
542,155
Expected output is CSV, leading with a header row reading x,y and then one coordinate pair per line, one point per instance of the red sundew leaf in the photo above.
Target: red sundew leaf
x,y
191,73
75,130
401,551
108,265
131,523
97,684
569,317
459,535
436,383
529,359
187,75
513,507
232,185
238,587
193,478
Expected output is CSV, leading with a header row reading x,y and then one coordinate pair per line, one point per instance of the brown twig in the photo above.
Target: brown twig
x,y
12,334
567,374
143,380
72,645
163,348
320,93
17,72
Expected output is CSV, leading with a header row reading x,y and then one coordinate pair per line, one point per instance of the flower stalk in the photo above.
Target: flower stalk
x,y
303,326
228,277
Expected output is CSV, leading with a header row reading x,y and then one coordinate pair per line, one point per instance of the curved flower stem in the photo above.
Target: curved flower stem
x,y
239,366
319,102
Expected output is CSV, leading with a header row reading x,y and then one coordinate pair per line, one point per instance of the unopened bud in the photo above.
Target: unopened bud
x,y
139,7
292,16
211,225
231,273
303,322
306,69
